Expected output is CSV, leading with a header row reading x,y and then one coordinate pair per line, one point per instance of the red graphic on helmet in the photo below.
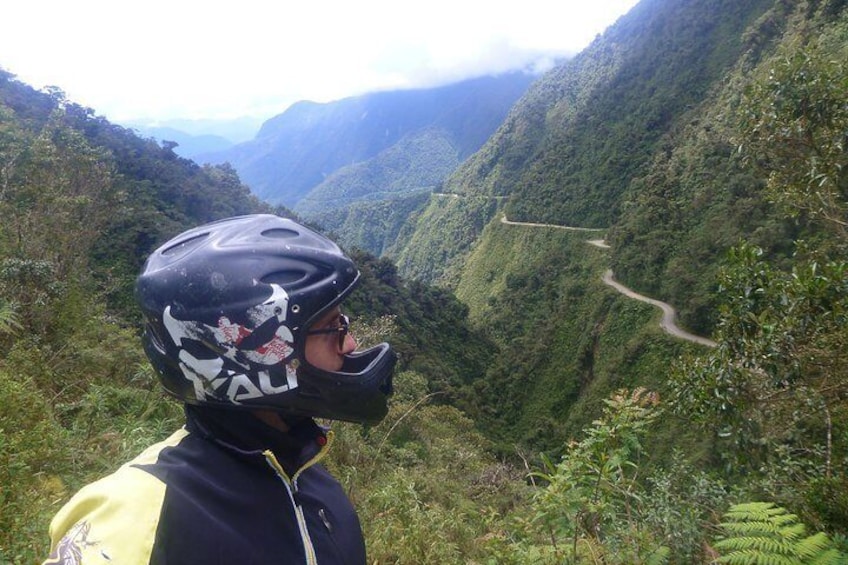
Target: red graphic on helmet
x,y
210,378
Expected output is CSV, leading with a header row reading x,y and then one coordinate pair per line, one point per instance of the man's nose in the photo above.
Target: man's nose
x,y
349,344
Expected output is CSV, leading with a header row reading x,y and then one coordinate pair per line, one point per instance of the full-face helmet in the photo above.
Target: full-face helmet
x,y
227,307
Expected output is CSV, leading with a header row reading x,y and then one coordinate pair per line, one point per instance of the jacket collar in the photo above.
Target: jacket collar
x,y
242,432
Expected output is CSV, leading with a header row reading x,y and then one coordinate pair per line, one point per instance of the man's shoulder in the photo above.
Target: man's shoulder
x,y
114,517
152,453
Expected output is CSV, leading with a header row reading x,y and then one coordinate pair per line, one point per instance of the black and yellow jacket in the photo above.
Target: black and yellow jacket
x,y
225,489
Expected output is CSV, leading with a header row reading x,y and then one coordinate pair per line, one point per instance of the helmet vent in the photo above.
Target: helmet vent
x,y
280,233
184,245
285,279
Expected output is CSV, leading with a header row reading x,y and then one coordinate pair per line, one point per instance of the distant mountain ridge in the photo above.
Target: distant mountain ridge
x,y
416,163
187,145
299,149
197,137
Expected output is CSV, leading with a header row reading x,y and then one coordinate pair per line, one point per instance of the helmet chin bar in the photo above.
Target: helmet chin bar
x,y
357,393
370,363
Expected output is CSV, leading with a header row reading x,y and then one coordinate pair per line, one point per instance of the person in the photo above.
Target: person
x,y
242,323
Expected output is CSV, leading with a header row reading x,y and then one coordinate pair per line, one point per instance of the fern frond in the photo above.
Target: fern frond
x,y
762,528
830,557
793,531
8,318
755,557
659,556
760,533
758,511
765,545
812,546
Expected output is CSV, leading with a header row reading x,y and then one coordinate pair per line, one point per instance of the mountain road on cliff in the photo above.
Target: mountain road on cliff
x,y
668,323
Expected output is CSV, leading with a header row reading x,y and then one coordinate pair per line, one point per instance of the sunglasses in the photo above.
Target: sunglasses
x,y
342,329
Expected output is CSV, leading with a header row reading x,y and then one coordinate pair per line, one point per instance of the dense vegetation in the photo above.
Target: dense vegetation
x,y
367,204
83,201
734,210
634,135
540,416
373,226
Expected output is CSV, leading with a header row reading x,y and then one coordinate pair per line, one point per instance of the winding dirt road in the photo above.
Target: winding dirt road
x,y
669,319
555,226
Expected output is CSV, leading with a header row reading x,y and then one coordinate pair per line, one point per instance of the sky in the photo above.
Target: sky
x,y
217,59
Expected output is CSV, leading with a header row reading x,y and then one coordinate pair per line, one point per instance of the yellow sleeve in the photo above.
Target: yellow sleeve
x,y
112,520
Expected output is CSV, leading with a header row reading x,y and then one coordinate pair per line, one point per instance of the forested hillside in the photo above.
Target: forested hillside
x,y
573,145
540,415
297,150
367,203
705,141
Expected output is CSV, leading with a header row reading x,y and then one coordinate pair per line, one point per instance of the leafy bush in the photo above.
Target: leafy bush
x,y
592,496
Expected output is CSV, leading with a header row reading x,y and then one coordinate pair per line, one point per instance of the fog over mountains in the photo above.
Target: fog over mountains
x,y
299,149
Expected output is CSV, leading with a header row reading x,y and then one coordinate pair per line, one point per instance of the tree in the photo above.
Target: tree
x,y
795,128
774,389
781,359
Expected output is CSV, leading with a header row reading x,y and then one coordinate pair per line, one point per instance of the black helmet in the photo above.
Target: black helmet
x,y
226,309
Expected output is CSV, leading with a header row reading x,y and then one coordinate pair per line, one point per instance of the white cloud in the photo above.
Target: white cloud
x,y
220,58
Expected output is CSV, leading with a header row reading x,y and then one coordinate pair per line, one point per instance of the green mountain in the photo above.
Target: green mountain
x,y
417,163
641,138
695,152
366,204
297,150
584,145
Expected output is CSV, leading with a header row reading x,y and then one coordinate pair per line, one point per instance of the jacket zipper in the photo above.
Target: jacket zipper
x,y
291,489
